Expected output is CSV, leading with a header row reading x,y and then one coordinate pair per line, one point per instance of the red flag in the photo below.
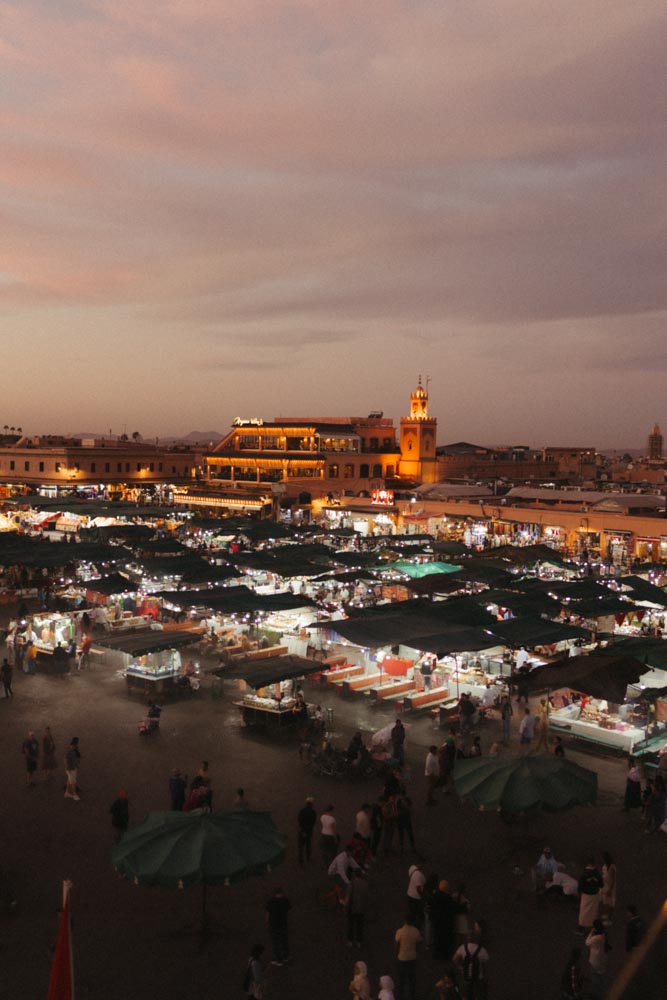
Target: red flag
x,y
61,983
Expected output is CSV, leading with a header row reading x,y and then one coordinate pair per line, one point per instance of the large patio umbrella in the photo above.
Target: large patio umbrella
x,y
177,849
518,784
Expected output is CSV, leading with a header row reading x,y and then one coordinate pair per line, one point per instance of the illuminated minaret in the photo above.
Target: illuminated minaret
x,y
418,435
655,443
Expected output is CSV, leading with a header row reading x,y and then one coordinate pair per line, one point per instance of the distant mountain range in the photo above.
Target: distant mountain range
x,y
194,437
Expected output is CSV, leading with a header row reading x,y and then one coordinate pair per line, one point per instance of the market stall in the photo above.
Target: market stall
x,y
151,659
269,697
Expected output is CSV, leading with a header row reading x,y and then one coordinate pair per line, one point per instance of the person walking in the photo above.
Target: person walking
x,y
635,929
359,987
72,758
572,981
398,742
386,988
30,750
356,907
506,714
590,886
443,921
120,816
362,824
472,959
255,978
329,836
6,673
377,822
432,774
178,784
633,787
306,819
48,754
407,939
447,760
598,947
415,893
277,911
404,822
526,728
608,891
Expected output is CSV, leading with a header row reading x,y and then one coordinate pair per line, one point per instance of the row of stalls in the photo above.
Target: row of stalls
x,y
411,620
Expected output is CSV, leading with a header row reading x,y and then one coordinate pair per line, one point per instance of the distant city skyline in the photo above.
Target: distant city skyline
x,y
260,209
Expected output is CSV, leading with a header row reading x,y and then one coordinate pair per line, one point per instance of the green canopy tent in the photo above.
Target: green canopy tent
x,y
178,849
418,570
520,784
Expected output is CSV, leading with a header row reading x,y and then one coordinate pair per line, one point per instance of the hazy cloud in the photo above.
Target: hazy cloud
x,y
395,185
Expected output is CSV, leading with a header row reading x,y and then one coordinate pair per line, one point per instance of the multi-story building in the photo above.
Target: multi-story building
x,y
106,465
311,454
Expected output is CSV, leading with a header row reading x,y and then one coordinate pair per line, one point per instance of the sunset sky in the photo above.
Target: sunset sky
x,y
220,208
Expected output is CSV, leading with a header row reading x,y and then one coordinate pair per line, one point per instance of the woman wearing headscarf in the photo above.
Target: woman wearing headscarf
x,y
386,988
598,946
608,892
359,986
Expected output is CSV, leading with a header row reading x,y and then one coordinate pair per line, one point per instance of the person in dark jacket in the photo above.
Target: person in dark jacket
x,y
120,816
177,787
306,819
443,922
634,928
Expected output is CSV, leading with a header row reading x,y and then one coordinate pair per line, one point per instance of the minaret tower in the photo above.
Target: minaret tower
x,y
655,444
418,436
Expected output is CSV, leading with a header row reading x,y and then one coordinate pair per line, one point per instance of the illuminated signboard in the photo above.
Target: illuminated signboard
x,y
383,498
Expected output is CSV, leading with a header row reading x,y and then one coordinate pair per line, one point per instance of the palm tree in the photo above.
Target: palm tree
x,y
136,435
6,428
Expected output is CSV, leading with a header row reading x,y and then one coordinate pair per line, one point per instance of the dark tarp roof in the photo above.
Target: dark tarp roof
x,y
407,621
532,604
438,583
642,590
235,600
35,552
599,676
348,576
191,568
141,641
450,548
365,559
130,532
457,641
116,583
275,668
652,652
573,590
601,606
536,632
289,560
524,555
257,530
478,571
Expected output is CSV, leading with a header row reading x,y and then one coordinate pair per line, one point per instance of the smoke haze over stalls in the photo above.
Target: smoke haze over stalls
x,y
260,208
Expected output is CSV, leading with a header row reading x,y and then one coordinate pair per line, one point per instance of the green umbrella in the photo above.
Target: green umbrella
x,y
178,849
521,783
